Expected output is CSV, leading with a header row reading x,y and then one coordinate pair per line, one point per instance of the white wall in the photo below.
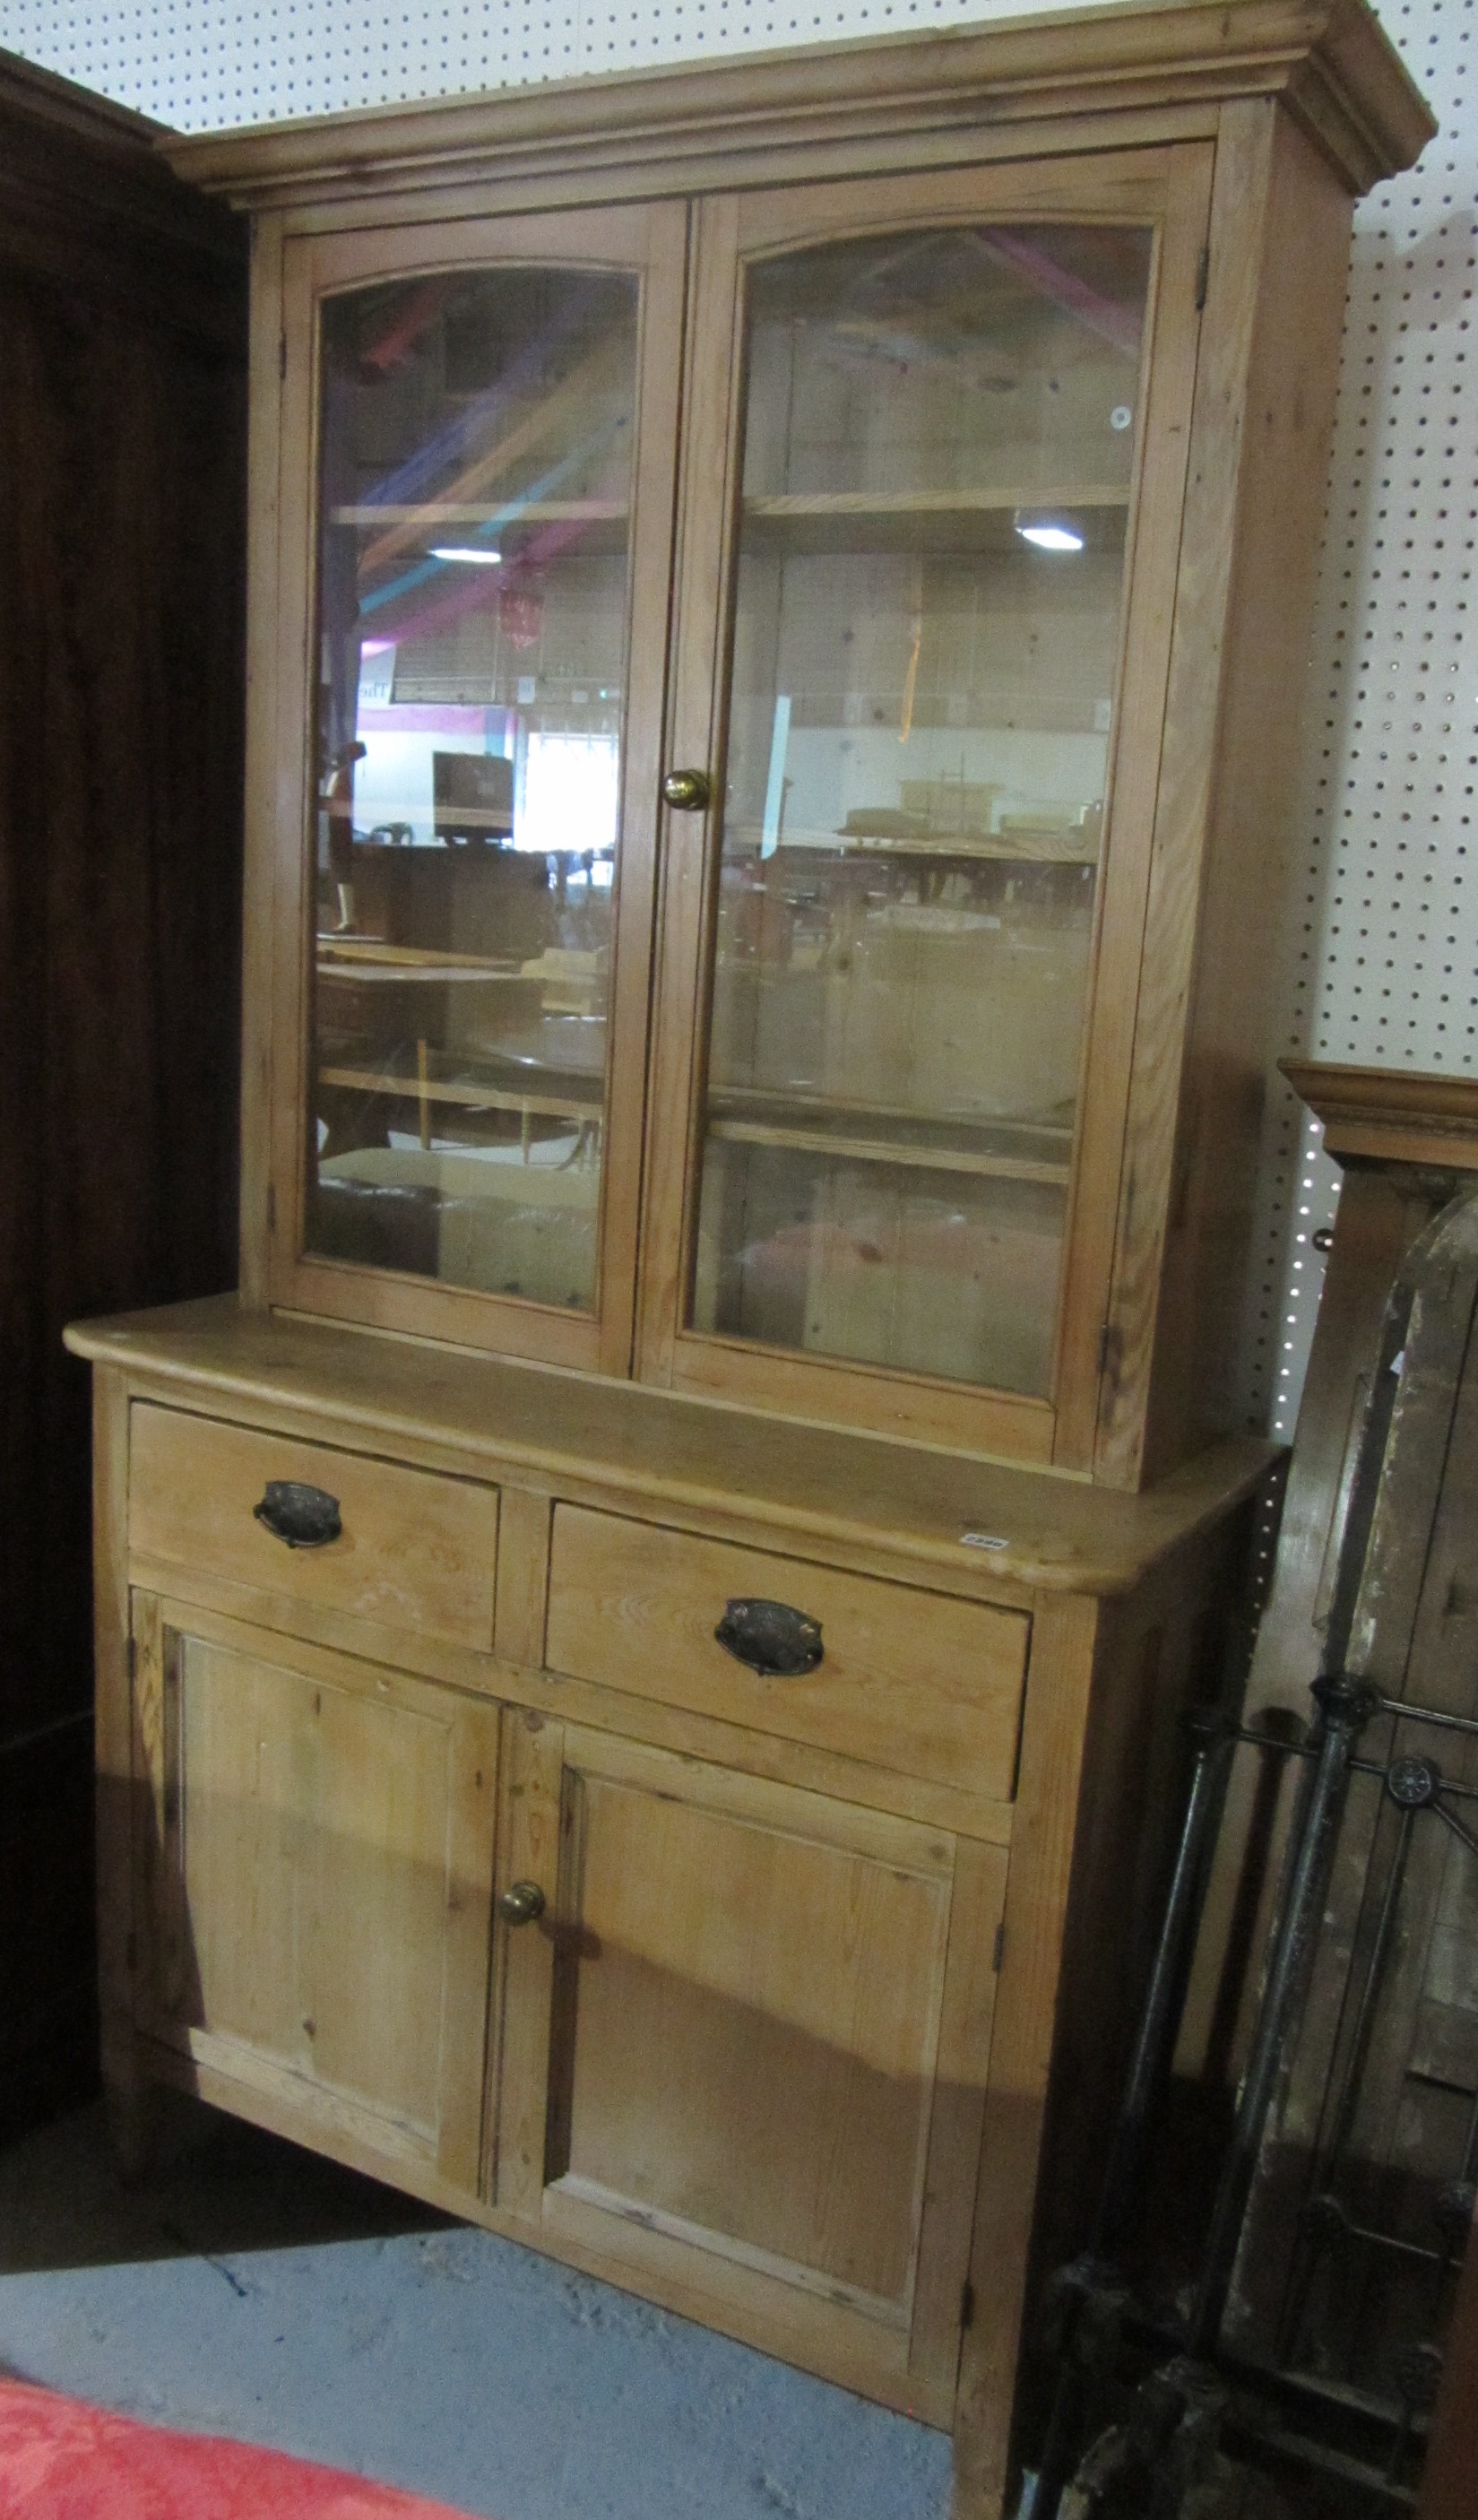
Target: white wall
x,y
202,64
1382,961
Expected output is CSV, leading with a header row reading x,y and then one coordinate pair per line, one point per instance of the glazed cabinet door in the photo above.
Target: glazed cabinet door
x,y
476,452
312,1878
742,2050
936,450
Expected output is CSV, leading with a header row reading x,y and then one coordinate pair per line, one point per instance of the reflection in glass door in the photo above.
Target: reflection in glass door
x,y
476,465
939,441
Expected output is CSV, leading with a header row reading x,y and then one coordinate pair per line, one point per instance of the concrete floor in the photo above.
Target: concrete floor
x,y
253,2290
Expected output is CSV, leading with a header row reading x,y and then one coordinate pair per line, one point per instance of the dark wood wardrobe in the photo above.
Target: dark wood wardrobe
x,y
122,350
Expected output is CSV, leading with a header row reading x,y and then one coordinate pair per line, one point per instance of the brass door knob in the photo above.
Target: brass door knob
x,y
521,1902
688,789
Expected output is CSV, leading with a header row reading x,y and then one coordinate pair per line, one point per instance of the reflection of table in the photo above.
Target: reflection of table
x,y
397,993
469,1094
367,954
487,1217
373,998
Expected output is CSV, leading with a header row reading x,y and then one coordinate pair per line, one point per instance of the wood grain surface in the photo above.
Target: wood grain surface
x,y
1330,63
122,309
485,1416
414,1550
906,1680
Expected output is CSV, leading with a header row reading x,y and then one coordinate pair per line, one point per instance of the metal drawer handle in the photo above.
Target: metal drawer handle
x,y
305,1518
770,1637
521,1902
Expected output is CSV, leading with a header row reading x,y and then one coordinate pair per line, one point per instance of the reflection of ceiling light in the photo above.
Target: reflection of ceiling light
x,y
1051,537
479,555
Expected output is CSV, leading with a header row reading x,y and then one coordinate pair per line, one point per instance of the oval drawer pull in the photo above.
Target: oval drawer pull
x,y
770,1637
305,1518
521,1902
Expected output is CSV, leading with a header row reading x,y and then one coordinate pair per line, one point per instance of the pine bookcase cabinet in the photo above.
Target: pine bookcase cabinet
x,y
639,1656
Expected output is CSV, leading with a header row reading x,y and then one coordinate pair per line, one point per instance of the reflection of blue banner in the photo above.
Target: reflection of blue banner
x,y
466,432
505,516
774,785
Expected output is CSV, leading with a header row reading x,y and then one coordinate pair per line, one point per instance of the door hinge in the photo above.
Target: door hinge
x,y
133,1659
998,1954
282,354
1202,274
967,2304
1106,1347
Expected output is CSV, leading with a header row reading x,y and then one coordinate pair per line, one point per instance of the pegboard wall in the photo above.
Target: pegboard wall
x,y
203,65
1382,959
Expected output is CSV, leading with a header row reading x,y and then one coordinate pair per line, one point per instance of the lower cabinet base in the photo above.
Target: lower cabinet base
x,y
132,2104
462,1849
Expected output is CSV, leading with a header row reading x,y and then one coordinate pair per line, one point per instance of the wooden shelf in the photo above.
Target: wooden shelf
x,y
798,1102
433,970
1019,849
948,522
503,511
1023,1150
934,503
340,954
466,1096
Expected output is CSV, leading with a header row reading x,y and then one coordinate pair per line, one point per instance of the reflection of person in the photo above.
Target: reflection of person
x,y
339,802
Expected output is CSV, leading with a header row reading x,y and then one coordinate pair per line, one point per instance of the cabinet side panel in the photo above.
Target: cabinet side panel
x,y
1058,1684
1280,244
1234,256
262,644
116,1785
1290,418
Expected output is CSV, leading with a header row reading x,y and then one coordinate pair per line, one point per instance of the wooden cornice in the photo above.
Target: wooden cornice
x,y
1327,60
1388,1115
59,105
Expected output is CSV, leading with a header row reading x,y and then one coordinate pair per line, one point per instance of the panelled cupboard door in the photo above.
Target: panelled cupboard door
x,y
935,452
478,448
313,1865
743,2048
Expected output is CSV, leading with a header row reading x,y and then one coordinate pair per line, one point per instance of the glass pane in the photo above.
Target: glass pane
x,y
939,443
476,434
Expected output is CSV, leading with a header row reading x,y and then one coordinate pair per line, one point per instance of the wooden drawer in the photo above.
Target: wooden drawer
x,y
416,1551
908,1678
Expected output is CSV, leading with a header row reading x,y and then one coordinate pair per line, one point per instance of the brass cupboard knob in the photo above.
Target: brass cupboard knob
x,y
521,1902
688,789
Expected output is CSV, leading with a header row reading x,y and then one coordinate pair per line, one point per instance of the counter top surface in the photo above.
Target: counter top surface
x,y
1030,1527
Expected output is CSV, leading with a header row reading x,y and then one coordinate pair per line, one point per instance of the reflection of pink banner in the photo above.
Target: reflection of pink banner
x,y
424,717
1109,317
479,595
